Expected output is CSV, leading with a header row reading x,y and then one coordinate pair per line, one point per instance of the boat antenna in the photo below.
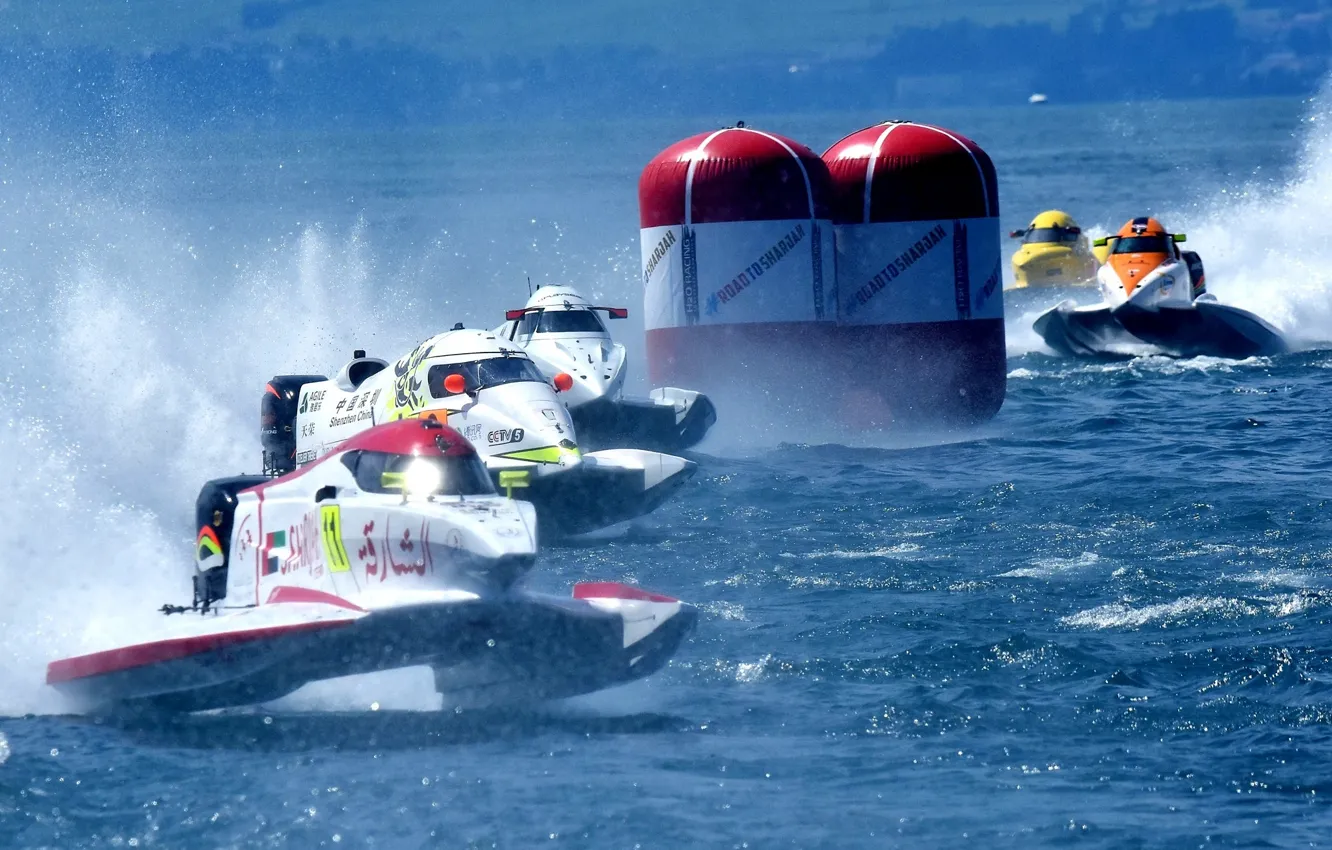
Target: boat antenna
x,y
529,286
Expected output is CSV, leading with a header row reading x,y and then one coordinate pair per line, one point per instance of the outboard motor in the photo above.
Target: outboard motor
x,y
1196,275
214,511
277,421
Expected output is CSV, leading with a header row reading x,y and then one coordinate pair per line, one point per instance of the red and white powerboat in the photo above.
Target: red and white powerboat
x,y
393,551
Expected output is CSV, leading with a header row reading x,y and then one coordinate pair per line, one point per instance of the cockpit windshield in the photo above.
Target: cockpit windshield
x,y
412,475
479,374
561,322
1142,245
1049,234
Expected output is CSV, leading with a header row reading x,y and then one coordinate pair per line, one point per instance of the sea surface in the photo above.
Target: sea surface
x,y
1102,619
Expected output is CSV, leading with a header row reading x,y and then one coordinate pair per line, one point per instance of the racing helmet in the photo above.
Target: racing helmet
x,y
1053,219
1141,226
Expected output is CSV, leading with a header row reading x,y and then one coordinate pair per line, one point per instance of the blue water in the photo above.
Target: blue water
x,y
1101,618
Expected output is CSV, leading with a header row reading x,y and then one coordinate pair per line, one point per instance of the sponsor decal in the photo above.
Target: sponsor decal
x,y
899,264
302,554
662,249
473,432
358,416
244,539
406,549
689,258
311,401
504,436
990,287
755,270
545,454
366,553
308,429
961,272
330,523
208,552
306,456
381,556
816,250
407,384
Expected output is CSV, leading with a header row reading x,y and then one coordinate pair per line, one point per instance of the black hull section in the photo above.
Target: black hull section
x,y
1207,329
590,498
633,423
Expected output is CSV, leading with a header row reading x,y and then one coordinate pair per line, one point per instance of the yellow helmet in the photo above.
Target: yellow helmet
x,y
1053,218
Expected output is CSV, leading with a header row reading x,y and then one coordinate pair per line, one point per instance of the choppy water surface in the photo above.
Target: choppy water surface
x,y
1102,617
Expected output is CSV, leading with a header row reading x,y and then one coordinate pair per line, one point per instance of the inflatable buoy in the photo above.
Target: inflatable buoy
x,y
919,271
738,255
865,295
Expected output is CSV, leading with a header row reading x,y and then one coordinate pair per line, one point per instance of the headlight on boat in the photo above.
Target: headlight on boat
x,y
421,478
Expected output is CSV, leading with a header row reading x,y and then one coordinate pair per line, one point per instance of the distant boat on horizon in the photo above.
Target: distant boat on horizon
x,y
1037,98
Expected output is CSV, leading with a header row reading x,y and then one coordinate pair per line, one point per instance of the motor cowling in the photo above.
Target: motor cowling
x,y
277,421
1197,277
214,515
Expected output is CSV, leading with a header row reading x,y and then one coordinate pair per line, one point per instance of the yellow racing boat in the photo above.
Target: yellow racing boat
x,y
1054,252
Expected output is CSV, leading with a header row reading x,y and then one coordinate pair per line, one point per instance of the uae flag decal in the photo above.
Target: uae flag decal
x,y
273,540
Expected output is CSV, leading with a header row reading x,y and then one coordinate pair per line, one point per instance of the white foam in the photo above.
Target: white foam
x,y
1047,567
1266,250
131,376
1123,615
901,551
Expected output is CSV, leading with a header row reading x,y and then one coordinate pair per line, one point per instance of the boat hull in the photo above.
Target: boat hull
x,y
512,648
1206,328
671,420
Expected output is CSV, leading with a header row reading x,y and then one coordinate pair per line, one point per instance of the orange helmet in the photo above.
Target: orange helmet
x,y
1140,246
1142,226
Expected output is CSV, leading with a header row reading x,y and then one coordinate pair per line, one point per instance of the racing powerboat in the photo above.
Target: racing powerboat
x,y
562,332
1155,298
392,551
494,394
1054,252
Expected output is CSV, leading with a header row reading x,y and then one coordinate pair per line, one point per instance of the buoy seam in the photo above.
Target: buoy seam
x,y
689,177
809,188
815,248
869,169
980,172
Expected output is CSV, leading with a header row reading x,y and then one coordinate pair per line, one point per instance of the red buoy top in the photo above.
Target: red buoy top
x,y
901,171
421,437
735,174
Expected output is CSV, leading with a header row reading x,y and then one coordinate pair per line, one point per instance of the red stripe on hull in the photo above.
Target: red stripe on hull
x,y
865,376
615,590
289,593
141,655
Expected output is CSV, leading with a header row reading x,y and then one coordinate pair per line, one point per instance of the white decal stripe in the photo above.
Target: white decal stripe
x,y
809,190
689,177
980,172
869,169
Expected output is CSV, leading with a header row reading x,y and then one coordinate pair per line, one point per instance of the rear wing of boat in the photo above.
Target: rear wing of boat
x,y
611,312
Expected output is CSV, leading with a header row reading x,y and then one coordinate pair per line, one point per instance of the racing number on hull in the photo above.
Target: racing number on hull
x,y
330,522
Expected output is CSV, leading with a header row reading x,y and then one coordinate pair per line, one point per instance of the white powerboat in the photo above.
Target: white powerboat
x,y
562,332
392,551
1155,299
494,394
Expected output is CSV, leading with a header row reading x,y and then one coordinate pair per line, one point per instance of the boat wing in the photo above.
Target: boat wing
x,y
1090,331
